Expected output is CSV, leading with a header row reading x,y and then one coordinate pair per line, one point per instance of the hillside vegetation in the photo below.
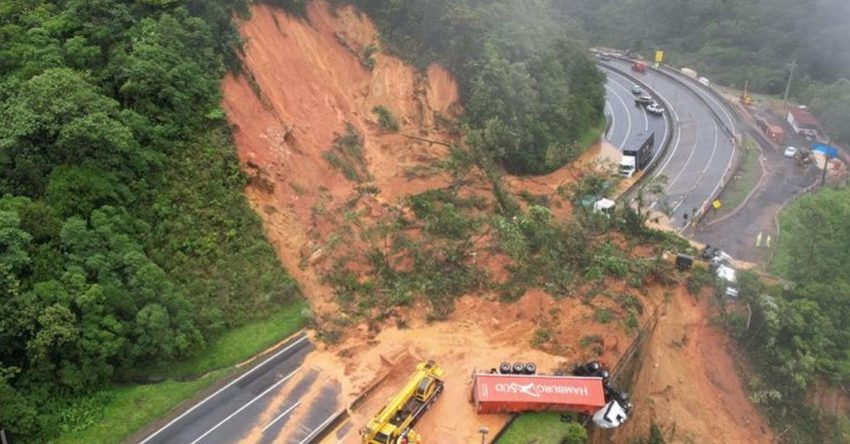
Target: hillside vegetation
x,y
733,41
125,238
798,333
530,90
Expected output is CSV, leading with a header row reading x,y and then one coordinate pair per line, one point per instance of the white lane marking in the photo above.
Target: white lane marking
x,y
613,119
152,435
286,412
666,129
690,156
244,406
628,112
711,158
644,112
317,429
711,98
705,203
658,151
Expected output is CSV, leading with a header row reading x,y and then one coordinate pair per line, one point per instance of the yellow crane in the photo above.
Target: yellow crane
x,y
393,424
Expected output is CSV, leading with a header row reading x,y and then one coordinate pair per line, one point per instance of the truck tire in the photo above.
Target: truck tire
x,y
530,368
505,368
519,368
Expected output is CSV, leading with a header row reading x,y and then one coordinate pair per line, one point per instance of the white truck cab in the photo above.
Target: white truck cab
x,y
611,416
627,166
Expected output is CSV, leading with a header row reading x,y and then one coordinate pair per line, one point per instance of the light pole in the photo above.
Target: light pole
x,y
483,431
788,86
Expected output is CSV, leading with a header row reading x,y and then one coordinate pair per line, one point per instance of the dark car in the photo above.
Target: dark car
x,y
644,100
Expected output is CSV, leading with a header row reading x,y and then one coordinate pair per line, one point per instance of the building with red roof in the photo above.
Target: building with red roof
x,y
803,122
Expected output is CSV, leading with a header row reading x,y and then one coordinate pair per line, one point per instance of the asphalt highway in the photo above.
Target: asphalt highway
x,y
701,153
627,119
276,400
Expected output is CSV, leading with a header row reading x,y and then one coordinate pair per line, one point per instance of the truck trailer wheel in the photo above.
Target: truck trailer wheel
x,y
530,368
519,368
505,368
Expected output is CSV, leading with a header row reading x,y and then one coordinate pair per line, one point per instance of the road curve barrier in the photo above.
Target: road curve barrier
x,y
665,144
692,85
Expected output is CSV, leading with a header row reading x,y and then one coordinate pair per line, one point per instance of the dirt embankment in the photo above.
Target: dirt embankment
x,y
306,82
688,383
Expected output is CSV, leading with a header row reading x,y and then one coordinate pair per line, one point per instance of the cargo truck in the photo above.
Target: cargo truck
x,y
637,153
501,393
588,391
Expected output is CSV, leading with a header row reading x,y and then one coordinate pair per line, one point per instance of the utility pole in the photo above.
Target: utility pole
x,y
788,86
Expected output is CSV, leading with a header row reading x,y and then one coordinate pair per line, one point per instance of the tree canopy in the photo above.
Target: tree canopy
x,y
124,233
737,41
530,90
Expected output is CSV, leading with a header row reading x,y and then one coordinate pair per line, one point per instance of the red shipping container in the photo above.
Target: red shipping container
x,y
495,393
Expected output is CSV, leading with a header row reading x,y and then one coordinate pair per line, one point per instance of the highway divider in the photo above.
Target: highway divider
x,y
665,144
692,85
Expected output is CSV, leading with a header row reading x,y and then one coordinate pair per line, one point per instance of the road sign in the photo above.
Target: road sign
x,y
659,56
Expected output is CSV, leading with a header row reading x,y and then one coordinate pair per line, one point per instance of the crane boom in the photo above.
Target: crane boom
x,y
393,424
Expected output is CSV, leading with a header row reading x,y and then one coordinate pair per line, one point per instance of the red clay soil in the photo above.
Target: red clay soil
x,y
688,383
480,334
303,81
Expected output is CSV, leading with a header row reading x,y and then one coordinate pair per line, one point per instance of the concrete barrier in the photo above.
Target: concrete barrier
x,y
665,144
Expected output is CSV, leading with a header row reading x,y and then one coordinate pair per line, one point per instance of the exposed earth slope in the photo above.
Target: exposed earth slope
x,y
308,87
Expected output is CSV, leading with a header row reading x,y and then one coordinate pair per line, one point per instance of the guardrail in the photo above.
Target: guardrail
x,y
665,144
692,84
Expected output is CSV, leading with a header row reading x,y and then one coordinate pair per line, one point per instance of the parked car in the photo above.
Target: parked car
x,y
655,108
637,90
790,151
644,99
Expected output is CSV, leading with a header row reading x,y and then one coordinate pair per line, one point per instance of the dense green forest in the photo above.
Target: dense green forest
x,y
531,93
733,41
800,332
125,238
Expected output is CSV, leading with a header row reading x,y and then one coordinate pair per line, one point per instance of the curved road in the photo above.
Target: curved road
x,y
701,152
628,119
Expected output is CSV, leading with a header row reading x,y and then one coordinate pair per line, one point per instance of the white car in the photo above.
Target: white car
x,y
790,151
655,109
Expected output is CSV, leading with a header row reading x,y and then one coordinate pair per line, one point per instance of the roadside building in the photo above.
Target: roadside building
x,y
803,122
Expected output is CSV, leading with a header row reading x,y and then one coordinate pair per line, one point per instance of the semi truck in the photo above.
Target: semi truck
x,y
394,423
637,153
586,391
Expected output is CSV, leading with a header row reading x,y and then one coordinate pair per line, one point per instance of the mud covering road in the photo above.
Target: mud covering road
x,y
279,399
